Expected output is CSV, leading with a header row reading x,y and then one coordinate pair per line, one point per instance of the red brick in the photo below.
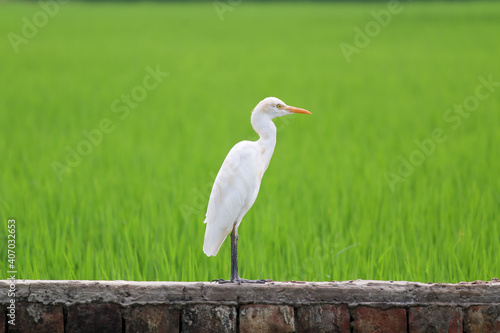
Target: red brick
x,y
483,319
2,320
435,319
266,318
324,318
376,320
35,317
152,318
208,319
102,318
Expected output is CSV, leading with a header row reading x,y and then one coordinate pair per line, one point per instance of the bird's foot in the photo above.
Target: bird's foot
x,y
240,280
221,281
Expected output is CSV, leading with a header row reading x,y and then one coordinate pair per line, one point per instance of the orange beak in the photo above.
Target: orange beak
x,y
296,110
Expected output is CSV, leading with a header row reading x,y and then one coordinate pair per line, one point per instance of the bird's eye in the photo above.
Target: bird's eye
x,y
279,106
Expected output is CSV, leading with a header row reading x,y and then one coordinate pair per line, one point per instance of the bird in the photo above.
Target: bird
x,y
237,183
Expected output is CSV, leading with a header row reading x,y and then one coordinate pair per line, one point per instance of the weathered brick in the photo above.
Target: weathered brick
x,y
266,318
209,318
102,318
324,318
34,317
2,320
483,319
435,319
376,320
152,318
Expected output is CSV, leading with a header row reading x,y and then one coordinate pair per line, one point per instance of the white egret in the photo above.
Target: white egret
x,y
238,181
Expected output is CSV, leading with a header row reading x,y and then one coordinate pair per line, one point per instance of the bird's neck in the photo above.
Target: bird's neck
x,y
264,126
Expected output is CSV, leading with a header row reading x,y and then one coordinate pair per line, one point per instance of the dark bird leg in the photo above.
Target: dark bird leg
x,y
234,255
235,277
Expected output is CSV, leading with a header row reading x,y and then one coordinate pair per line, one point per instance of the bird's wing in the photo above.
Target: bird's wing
x,y
233,193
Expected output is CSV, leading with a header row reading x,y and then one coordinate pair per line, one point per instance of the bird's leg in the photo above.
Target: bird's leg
x,y
234,255
235,277
234,259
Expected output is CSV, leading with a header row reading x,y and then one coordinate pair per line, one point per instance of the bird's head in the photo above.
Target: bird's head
x,y
275,107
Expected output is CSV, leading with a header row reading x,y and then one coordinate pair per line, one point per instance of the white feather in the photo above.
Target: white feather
x,y
234,192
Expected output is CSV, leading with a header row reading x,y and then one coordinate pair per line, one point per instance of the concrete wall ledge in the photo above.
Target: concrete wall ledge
x,y
352,293
347,306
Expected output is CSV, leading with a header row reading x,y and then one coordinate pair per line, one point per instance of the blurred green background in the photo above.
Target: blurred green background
x,y
107,168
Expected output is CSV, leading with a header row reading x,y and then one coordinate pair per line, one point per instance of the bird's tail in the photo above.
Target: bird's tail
x,y
214,237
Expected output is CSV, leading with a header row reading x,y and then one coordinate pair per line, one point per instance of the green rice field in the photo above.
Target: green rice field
x,y
115,118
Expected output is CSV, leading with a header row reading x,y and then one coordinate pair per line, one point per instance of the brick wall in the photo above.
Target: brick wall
x,y
351,306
